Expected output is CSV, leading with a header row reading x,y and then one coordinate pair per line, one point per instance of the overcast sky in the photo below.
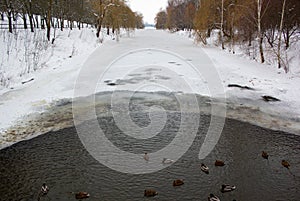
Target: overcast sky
x,y
148,8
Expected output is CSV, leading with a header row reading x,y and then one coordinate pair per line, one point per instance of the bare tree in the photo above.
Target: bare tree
x,y
279,37
28,6
222,23
49,16
9,12
291,21
259,30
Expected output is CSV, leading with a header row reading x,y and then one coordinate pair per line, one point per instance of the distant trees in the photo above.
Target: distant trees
x,y
161,20
139,23
206,19
189,15
114,14
180,14
256,22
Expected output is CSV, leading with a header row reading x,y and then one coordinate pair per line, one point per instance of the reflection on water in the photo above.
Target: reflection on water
x,y
60,160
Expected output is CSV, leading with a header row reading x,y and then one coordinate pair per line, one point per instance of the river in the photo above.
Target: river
x,y
59,159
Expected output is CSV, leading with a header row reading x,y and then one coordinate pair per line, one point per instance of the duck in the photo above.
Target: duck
x,y
146,156
150,193
219,163
82,195
265,155
204,168
227,188
178,182
212,197
167,161
285,164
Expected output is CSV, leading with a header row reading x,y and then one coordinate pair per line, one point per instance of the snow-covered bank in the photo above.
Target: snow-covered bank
x,y
25,54
290,57
58,63
156,61
34,72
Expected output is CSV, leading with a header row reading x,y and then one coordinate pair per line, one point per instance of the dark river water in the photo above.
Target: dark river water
x,y
60,160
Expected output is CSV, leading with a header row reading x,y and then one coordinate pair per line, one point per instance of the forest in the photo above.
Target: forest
x,y
272,24
47,14
33,32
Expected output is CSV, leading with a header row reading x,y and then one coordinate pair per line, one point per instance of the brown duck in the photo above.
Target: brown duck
x,y
219,163
81,195
285,164
150,193
265,155
178,182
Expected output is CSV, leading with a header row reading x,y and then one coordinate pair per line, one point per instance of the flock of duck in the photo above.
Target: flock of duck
x,y
224,188
178,182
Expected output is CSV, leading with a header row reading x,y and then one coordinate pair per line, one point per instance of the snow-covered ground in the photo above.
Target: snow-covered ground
x,y
152,60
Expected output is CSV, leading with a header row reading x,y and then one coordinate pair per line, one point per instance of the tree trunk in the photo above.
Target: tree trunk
x,y
52,22
37,21
209,32
24,20
279,38
118,35
49,19
100,18
9,21
260,36
287,38
30,17
249,39
261,50
232,33
31,23
222,22
98,31
42,22
57,25
287,43
9,14
99,27
62,24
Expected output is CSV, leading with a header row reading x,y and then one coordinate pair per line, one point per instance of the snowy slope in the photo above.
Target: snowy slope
x,y
154,61
59,63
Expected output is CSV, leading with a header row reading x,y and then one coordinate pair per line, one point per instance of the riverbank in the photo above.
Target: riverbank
x,y
151,61
59,115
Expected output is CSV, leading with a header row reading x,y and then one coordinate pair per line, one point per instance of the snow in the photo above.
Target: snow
x,y
50,80
78,65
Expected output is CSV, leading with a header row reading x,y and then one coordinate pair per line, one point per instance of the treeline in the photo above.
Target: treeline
x,y
273,21
113,14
